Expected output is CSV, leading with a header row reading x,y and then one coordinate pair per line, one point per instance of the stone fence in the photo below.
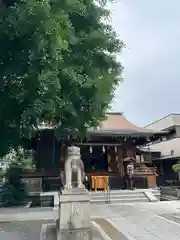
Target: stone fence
x,y
34,185
170,193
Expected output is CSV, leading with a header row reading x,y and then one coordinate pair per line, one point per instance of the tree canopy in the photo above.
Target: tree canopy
x,y
57,64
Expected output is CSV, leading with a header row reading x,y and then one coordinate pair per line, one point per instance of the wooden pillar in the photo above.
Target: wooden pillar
x,y
161,167
112,160
120,160
116,158
109,159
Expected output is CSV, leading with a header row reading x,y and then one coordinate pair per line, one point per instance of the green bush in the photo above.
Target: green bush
x,y
13,189
176,167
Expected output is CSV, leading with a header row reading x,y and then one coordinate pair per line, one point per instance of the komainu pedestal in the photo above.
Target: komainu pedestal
x,y
74,215
74,208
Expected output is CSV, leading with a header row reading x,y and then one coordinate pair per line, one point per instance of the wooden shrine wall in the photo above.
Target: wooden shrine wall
x,y
49,154
116,156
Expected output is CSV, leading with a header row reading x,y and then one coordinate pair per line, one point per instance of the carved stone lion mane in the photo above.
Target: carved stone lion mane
x,y
73,174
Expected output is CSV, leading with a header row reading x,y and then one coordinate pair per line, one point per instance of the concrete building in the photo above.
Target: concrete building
x,y
168,146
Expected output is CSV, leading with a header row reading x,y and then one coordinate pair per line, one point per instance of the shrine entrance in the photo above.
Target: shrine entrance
x,y
95,158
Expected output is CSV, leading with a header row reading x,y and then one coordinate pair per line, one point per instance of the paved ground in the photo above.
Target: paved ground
x,y
143,221
51,233
27,214
34,230
21,230
172,217
157,221
109,229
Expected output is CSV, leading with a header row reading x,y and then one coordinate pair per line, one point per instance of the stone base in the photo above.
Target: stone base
x,y
78,234
74,215
50,233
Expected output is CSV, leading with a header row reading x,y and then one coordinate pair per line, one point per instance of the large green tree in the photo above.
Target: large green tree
x,y
57,64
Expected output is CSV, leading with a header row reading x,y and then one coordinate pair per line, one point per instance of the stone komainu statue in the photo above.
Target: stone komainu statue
x,y
73,174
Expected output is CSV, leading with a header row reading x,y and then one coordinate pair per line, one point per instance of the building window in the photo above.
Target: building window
x,y
172,152
164,138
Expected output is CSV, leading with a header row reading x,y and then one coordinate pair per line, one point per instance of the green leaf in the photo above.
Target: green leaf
x,y
58,64
176,167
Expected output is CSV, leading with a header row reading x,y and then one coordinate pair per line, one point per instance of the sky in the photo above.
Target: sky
x,y
151,60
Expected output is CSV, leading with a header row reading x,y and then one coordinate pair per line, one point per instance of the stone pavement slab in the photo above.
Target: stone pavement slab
x,y
27,214
147,227
97,210
111,231
146,221
172,217
143,221
21,230
34,230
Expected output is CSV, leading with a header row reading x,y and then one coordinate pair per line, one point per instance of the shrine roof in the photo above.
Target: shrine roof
x,y
116,123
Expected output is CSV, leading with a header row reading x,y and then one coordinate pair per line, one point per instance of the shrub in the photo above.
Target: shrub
x,y
176,167
13,189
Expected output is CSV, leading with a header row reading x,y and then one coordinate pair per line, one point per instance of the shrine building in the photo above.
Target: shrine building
x,y
105,153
